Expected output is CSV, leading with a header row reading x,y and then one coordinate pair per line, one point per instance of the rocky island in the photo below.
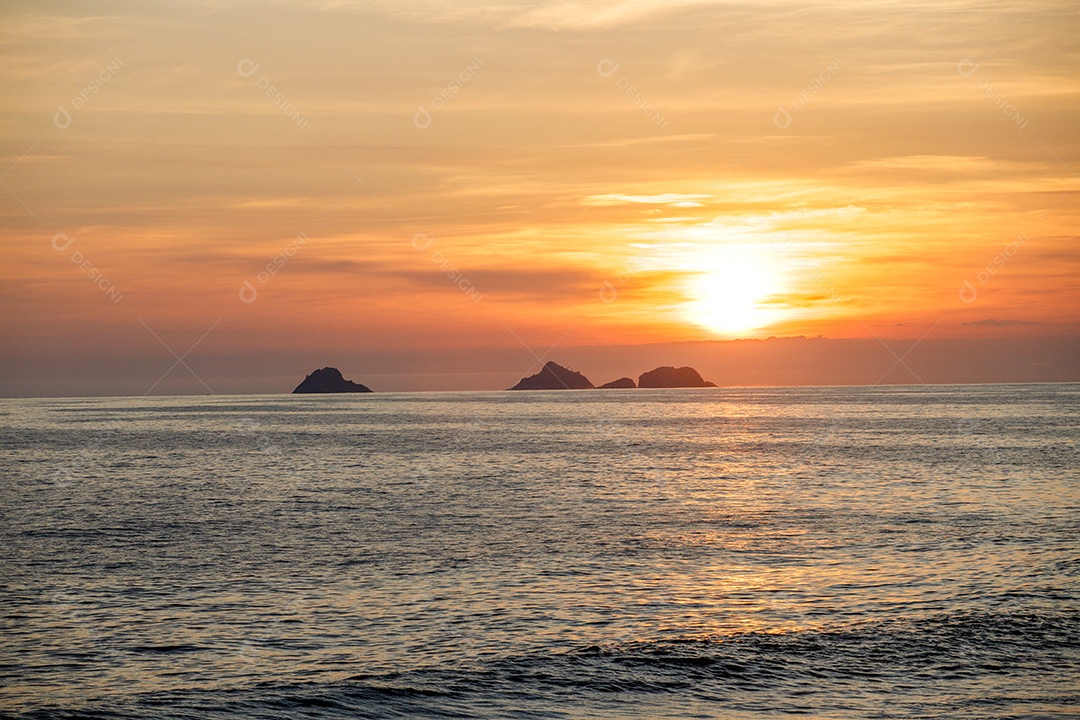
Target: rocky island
x,y
670,377
329,380
623,383
554,377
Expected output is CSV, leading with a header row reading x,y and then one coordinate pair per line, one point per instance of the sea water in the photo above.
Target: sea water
x,y
732,553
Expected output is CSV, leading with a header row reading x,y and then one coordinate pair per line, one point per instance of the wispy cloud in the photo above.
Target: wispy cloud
x,y
675,199
991,322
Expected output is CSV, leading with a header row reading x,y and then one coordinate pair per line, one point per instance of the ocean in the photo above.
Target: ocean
x,y
866,552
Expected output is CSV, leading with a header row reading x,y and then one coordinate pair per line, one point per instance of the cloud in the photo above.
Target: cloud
x,y
551,15
510,282
954,163
675,199
991,322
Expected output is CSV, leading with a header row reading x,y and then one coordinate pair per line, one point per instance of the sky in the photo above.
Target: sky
x,y
209,196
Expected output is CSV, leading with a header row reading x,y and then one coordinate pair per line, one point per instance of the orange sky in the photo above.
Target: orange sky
x,y
496,174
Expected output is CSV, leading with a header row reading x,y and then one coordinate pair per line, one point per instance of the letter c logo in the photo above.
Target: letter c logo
x,y
421,119
968,293
61,248
247,67
966,67
62,118
248,293
606,68
782,118
421,242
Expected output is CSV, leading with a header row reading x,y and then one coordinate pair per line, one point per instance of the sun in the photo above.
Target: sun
x,y
733,294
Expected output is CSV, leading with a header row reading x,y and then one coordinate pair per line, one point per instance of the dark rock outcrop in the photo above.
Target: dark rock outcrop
x,y
329,380
620,384
554,377
669,377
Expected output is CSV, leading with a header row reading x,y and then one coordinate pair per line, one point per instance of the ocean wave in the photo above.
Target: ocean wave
x,y
971,665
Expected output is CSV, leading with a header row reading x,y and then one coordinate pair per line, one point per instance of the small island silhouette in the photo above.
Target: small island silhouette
x,y
556,377
329,380
552,376
670,377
